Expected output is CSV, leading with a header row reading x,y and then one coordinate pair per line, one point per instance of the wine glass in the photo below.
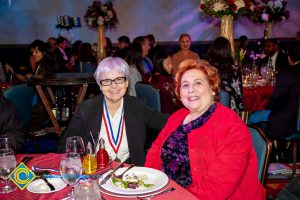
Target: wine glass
x,y
75,144
8,142
71,170
7,165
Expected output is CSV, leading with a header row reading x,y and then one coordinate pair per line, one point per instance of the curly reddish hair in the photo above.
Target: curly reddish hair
x,y
211,73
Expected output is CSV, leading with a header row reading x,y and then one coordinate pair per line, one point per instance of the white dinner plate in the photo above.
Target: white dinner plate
x,y
41,187
156,177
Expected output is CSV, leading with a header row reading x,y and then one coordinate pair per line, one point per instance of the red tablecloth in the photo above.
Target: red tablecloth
x,y
3,86
256,98
52,160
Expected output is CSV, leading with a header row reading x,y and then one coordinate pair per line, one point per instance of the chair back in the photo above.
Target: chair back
x,y
21,97
262,146
298,114
150,94
224,98
86,67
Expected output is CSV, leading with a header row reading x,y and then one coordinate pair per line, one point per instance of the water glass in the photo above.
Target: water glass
x,y
8,142
87,190
75,144
71,170
7,165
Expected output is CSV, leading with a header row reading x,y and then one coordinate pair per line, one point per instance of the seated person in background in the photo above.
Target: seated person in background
x,y
134,58
184,52
44,60
86,58
63,60
114,109
274,57
154,47
123,43
146,61
206,147
75,52
10,124
52,42
164,81
219,55
283,104
284,100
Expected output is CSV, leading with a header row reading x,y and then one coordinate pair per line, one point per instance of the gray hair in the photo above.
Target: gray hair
x,y
109,64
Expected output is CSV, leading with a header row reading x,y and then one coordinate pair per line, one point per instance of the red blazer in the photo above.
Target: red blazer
x,y
222,158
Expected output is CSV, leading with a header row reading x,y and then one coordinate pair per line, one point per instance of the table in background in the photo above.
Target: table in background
x,y
256,98
53,160
45,83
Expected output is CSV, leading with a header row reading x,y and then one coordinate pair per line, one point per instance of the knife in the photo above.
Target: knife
x,y
111,173
52,188
41,174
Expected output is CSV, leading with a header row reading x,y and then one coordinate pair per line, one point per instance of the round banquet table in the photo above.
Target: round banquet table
x,y
256,98
52,160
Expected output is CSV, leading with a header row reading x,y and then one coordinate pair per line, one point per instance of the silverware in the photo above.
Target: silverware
x,y
110,174
41,175
26,159
162,192
121,175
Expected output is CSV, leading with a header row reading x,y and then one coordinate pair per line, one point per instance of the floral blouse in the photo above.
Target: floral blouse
x,y
175,154
232,83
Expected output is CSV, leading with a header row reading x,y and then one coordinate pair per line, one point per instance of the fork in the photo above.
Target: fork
x,y
162,192
121,175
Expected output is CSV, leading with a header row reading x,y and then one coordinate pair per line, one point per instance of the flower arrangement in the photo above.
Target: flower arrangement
x,y
269,11
219,8
99,14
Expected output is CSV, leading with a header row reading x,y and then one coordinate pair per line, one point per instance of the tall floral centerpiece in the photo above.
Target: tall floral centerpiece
x,y
101,16
269,12
227,11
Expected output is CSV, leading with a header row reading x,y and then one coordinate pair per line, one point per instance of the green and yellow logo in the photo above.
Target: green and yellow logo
x,y
22,176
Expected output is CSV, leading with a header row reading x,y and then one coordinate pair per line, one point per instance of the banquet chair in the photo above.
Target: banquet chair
x,y
294,138
21,97
150,94
224,98
85,67
262,146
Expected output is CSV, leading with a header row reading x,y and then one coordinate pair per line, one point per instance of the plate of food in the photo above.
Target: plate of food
x,y
40,186
136,181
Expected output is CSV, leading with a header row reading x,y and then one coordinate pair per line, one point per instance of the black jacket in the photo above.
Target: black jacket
x,y
280,63
138,117
284,103
10,123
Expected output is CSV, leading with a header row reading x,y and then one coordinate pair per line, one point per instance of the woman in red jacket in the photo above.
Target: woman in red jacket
x,y
205,147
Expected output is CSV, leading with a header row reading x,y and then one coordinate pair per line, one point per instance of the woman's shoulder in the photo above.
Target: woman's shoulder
x,y
227,115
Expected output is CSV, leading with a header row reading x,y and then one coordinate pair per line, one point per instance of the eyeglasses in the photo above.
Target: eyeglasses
x,y
118,80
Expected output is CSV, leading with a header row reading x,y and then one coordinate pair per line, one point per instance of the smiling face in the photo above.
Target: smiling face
x,y
185,43
114,92
195,91
167,65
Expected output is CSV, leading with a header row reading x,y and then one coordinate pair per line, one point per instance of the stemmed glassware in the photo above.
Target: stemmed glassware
x,y
75,144
7,165
71,170
8,142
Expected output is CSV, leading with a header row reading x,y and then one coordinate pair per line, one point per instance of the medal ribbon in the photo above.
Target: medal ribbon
x,y
109,131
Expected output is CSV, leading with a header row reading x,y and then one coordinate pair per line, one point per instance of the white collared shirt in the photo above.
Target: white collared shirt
x,y
273,59
123,152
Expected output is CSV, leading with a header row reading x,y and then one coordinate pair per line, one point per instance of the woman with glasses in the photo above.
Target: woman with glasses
x,y
122,121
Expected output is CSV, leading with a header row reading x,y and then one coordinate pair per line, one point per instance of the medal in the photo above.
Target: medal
x,y
114,142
